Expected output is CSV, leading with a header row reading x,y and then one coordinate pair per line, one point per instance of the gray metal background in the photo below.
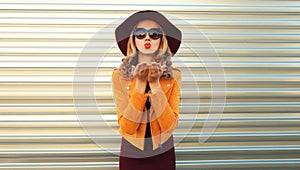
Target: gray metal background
x,y
257,42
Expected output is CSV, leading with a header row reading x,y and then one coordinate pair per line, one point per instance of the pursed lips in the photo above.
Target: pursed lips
x,y
147,45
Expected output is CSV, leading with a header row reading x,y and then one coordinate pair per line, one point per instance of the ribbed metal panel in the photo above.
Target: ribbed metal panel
x,y
257,43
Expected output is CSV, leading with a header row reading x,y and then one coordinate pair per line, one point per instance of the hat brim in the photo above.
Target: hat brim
x,y
123,31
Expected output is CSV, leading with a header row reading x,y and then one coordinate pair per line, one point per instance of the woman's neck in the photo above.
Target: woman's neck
x,y
146,58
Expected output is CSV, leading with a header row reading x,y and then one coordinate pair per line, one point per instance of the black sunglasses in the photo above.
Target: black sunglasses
x,y
141,33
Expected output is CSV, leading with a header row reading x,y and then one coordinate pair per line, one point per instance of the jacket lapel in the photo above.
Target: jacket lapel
x,y
166,85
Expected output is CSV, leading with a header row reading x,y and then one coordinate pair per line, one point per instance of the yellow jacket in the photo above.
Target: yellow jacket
x,y
132,118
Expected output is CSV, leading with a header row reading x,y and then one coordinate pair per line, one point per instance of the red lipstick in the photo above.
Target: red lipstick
x,y
147,45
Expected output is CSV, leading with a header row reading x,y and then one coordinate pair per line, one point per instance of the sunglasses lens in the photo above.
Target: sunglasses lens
x,y
140,36
140,33
154,33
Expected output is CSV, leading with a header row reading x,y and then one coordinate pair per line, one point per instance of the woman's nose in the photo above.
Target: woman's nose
x,y
147,37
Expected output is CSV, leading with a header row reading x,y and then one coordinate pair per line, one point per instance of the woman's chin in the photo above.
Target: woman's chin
x,y
148,51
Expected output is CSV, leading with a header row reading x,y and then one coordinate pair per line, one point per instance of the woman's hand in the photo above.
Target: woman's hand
x,y
141,73
147,72
155,72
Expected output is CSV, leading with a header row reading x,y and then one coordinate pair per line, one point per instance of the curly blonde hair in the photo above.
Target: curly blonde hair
x,y
163,56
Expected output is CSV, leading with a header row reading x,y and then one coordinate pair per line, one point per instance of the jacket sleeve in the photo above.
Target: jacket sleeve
x,y
129,107
167,112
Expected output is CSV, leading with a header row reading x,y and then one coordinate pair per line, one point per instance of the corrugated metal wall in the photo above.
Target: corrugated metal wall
x,y
258,46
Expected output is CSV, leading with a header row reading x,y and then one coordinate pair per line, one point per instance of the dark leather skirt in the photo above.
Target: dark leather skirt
x,y
132,158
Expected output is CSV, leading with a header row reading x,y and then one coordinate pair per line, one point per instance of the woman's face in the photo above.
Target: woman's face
x,y
147,44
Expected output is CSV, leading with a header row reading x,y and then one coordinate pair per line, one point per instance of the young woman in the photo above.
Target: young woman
x,y
147,91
